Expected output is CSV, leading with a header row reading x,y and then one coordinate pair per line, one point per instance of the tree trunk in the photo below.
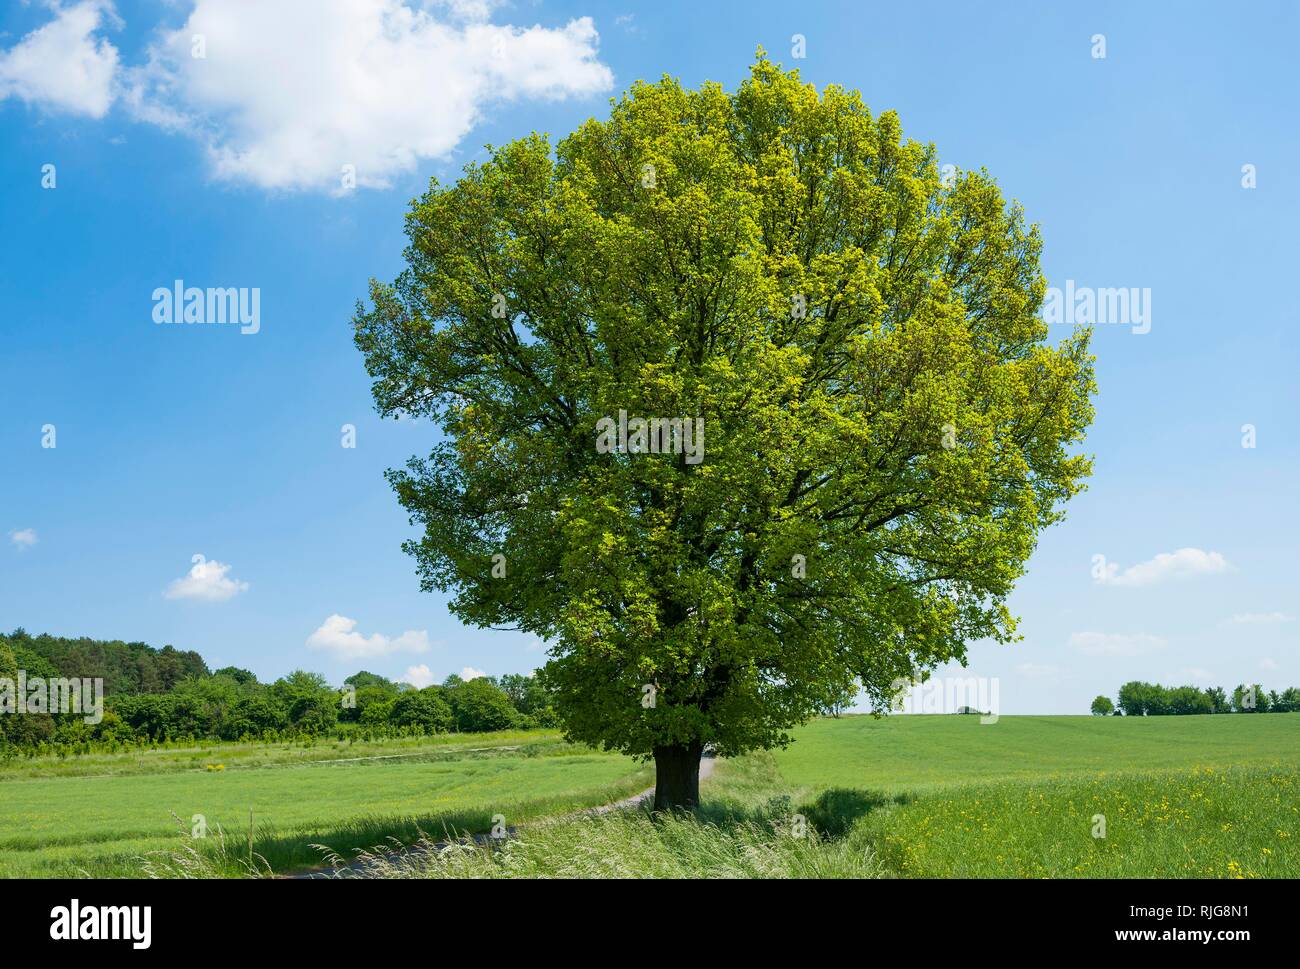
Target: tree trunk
x,y
677,777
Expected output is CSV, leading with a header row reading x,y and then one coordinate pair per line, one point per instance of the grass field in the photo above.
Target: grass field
x,y
1209,796
105,821
915,796
918,753
946,796
234,755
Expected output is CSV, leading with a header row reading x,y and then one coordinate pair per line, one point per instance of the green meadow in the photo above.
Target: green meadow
x,y
935,796
58,820
947,796
918,753
907,796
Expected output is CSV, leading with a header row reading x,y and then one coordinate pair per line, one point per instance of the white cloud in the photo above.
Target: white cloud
x,y
627,21
1115,644
206,581
1262,618
62,65
1039,671
469,9
1166,565
1268,663
1197,674
288,93
418,676
24,538
469,673
338,635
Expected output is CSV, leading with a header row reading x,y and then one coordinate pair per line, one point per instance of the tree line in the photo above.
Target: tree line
x,y
157,696
1138,699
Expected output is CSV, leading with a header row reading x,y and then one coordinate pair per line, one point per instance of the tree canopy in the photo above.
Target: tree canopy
x,y
857,335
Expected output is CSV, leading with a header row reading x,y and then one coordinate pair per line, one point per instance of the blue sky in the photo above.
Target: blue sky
x,y
224,171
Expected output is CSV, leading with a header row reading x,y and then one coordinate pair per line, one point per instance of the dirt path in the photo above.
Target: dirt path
x,y
357,869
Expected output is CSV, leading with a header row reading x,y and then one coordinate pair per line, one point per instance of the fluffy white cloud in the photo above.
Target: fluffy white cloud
x,y
24,537
63,66
469,673
207,581
1166,565
289,93
1262,618
338,635
418,676
1115,644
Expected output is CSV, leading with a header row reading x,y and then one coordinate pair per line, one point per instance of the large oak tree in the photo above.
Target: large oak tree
x,y
886,429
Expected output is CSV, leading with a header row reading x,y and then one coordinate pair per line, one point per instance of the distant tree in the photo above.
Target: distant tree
x,y
9,728
175,666
17,655
124,667
147,714
1249,699
1186,700
241,676
378,712
427,709
313,706
1150,699
515,686
1134,698
316,714
366,679
367,697
479,705
113,729
530,698
30,730
1102,707
1158,701
210,703
257,714
8,661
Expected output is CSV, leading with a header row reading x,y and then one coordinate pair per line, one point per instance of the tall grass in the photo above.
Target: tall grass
x,y
749,829
1203,823
633,844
